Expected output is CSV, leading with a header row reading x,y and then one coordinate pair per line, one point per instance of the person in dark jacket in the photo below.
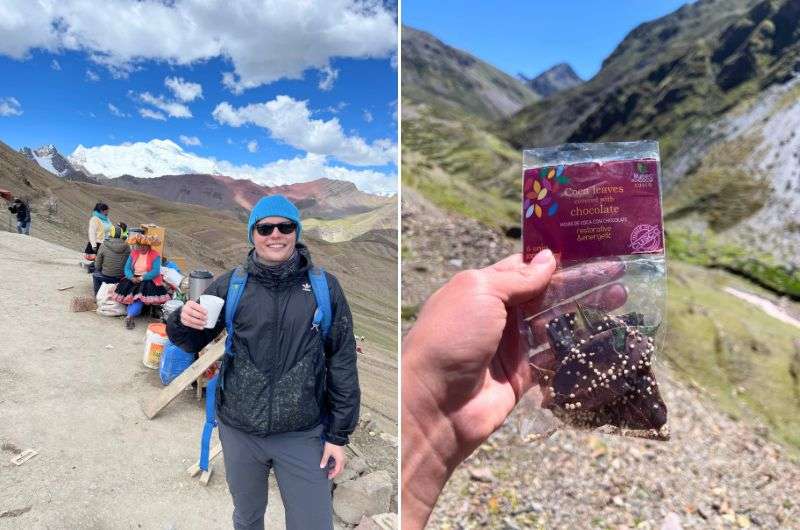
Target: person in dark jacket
x,y
23,213
289,398
111,258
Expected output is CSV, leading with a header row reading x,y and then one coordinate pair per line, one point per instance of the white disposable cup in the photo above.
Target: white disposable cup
x,y
213,305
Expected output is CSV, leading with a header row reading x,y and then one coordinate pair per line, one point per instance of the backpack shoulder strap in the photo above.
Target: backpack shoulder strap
x,y
236,287
323,316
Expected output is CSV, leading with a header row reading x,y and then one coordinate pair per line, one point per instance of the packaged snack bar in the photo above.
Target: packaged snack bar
x,y
593,337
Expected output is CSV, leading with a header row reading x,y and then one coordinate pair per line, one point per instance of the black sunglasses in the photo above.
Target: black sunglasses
x,y
265,229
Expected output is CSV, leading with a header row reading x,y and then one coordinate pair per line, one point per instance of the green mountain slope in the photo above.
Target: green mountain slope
x,y
443,76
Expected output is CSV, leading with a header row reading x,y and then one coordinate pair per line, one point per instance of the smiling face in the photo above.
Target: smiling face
x,y
275,247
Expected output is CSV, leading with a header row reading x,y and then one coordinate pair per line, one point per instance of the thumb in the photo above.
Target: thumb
x,y
523,283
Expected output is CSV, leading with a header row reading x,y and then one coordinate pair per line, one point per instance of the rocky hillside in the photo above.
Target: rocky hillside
x,y
670,77
555,79
322,198
440,75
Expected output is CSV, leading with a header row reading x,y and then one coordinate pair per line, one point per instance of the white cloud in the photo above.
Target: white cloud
x,y
190,140
281,40
173,109
164,157
91,76
184,90
10,107
290,121
252,146
54,65
116,112
229,141
152,114
336,109
327,76
368,116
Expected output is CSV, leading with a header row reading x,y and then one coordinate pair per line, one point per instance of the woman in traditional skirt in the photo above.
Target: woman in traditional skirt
x,y
142,283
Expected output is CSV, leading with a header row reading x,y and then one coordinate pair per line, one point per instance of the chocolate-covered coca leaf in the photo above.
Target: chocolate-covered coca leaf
x,y
644,408
599,370
561,333
606,378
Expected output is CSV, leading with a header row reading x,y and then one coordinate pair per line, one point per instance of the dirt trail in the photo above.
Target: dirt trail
x,y
72,387
765,305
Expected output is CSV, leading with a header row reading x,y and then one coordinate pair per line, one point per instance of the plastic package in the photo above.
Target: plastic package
x,y
593,336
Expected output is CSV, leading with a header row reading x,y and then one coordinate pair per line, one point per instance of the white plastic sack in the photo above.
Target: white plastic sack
x,y
105,305
104,292
171,276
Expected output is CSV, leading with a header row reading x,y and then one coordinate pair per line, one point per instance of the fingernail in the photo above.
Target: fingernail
x,y
544,256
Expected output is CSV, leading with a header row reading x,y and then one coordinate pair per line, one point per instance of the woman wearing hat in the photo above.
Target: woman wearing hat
x,y
142,284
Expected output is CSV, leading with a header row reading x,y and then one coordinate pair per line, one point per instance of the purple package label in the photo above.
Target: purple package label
x,y
595,209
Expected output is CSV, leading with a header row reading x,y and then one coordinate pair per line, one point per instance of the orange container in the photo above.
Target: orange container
x,y
155,340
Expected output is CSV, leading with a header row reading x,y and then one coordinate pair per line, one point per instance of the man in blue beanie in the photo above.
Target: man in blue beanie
x,y
289,395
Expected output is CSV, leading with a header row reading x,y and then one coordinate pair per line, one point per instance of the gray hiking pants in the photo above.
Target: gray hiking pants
x,y
305,488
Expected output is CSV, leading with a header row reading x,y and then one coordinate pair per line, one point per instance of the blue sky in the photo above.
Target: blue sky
x,y
524,36
305,86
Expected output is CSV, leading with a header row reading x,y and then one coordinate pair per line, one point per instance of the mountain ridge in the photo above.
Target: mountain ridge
x,y
441,75
555,79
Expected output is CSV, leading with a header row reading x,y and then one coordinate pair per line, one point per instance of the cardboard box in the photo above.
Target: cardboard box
x,y
161,233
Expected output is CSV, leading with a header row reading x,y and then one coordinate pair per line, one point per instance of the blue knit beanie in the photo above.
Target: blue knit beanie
x,y
273,206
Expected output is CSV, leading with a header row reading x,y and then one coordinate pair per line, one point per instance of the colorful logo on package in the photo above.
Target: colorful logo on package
x,y
641,174
540,191
646,238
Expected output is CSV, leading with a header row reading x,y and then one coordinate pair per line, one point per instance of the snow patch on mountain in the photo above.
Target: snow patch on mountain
x,y
141,159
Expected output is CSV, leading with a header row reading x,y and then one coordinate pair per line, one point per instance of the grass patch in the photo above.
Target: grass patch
x,y
705,249
739,354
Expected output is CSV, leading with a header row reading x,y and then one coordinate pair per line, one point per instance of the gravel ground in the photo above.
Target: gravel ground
x,y
715,472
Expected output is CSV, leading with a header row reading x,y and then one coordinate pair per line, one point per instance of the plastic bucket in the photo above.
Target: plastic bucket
x,y
155,340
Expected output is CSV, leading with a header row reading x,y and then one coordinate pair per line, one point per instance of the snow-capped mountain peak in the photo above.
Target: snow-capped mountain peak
x,y
48,157
141,159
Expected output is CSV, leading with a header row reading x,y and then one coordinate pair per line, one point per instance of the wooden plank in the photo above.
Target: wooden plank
x,y
194,469
213,353
206,476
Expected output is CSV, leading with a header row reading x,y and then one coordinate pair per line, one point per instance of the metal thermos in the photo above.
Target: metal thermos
x,y
198,282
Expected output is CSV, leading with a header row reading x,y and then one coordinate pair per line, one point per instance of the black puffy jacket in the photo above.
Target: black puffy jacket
x,y
22,211
282,377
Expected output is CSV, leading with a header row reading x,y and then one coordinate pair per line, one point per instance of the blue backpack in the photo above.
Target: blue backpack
x,y
322,320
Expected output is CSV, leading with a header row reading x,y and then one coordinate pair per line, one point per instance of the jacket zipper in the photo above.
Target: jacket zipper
x,y
275,329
